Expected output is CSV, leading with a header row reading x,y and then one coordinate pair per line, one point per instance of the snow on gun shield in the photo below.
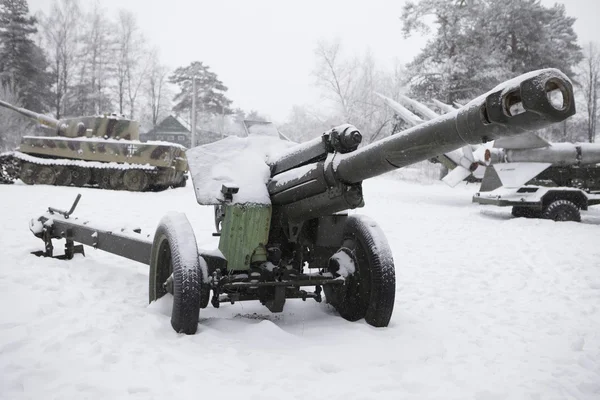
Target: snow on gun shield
x,y
278,210
94,150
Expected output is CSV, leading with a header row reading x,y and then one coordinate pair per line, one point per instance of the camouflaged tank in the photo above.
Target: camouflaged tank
x,y
99,150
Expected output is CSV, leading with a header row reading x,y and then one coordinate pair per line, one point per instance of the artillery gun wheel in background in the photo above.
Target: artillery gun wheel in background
x,y
80,176
63,175
562,210
135,180
175,268
370,291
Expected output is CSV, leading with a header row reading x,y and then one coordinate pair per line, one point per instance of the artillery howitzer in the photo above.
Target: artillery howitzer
x,y
103,150
274,233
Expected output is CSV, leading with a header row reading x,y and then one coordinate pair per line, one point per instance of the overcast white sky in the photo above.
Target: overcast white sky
x,y
263,49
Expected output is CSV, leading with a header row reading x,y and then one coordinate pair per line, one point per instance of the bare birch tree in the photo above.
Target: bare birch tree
x,y
61,30
97,55
351,84
590,82
155,89
335,75
132,62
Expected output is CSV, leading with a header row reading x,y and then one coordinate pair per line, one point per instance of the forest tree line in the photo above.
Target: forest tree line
x,y
73,61
473,45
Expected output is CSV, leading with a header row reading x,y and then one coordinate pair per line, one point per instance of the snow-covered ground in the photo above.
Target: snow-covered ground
x,y
487,307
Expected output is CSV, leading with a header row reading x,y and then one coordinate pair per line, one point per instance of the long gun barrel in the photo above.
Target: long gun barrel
x,y
41,119
330,181
517,106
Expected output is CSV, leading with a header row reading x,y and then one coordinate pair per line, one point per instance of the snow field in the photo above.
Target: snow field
x,y
487,307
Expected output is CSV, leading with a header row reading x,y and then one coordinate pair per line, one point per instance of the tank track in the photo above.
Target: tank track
x,y
64,172
9,168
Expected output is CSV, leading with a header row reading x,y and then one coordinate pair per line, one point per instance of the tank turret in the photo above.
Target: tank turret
x,y
102,126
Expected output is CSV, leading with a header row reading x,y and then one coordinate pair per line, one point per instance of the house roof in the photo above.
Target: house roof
x,y
169,125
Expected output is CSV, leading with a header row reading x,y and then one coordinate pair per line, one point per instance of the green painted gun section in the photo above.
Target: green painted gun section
x,y
244,234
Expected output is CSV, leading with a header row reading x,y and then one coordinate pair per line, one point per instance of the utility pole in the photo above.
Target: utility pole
x,y
194,94
222,121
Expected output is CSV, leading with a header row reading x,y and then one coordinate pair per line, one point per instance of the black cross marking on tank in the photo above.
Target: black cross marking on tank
x,y
131,149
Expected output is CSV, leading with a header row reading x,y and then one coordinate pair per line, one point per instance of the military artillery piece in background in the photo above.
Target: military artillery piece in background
x,y
538,179
460,164
96,150
281,224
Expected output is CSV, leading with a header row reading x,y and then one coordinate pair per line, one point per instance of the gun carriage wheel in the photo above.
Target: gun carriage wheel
x,y
370,290
175,267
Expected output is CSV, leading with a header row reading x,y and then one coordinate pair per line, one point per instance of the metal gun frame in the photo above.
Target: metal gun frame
x,y
57,224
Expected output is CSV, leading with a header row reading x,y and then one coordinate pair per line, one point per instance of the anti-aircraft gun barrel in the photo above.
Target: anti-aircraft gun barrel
x,y
528,102
41,119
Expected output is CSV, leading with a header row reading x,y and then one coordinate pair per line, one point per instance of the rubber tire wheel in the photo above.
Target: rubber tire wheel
x,y
45,175
562,210
371,290
135,180
80,176
63,175
28,173
525,212
173,253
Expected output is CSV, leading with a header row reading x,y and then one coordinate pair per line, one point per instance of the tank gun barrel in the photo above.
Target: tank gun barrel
x,y
41,119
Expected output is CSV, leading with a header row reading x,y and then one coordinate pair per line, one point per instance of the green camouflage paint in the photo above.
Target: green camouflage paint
x,y
104,139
